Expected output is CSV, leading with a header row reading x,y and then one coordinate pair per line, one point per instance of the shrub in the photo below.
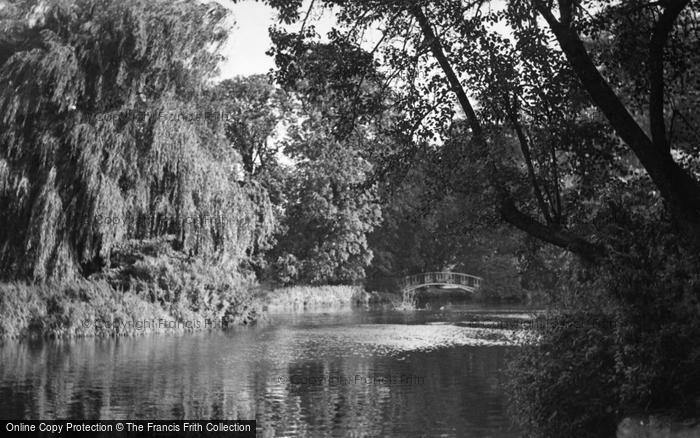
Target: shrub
x,y
562,381
627,342
76,308
181,284
149,282
580,381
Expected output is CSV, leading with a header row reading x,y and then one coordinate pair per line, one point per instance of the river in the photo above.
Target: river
x,y
341,373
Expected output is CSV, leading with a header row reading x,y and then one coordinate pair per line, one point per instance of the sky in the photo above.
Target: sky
x,y
248,40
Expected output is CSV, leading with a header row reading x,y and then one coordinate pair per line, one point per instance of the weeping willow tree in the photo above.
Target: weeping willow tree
x,y
103,138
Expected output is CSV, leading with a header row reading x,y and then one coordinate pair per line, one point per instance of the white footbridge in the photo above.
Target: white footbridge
x,y
451,280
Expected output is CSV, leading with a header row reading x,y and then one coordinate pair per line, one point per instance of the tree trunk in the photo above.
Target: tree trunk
x,y
677,187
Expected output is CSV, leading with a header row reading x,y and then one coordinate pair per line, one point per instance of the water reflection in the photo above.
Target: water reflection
x,y
384,374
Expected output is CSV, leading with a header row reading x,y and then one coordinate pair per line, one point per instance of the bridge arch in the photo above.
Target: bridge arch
x,y
470,283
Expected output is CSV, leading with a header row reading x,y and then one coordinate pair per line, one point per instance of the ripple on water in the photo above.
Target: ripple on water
x,y
390,339
272,374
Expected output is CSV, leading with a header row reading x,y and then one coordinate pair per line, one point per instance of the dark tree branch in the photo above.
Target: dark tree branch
x,y
565,11
598,88
452,78
660,35
676,185
306,17
558,237
557,186
689,124
525,149
506,206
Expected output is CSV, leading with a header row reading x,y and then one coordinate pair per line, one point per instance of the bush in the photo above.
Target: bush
x,y
149,281
627,343
658,354
562,380
182,284
580,381
77,308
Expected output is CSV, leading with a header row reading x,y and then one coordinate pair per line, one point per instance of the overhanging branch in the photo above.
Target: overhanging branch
x,y
506,205
660,35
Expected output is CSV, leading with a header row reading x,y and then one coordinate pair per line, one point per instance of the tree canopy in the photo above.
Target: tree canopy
x,y
103,137
549,78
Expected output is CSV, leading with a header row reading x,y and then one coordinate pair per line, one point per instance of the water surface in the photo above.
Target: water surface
x,y
347,373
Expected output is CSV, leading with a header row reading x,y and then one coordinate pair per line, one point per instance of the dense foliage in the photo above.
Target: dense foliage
x,y
316,181
367,159
557,390
434,220
579,130
329,208
103,139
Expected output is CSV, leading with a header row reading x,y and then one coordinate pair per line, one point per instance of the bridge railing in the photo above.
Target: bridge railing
x,y
457,278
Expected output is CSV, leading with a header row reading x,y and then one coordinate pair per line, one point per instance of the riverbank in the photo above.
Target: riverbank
x,y
156,290
86,308
148,288
94,307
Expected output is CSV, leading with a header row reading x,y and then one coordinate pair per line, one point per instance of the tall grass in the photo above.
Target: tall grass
x,y
309,297
302,297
